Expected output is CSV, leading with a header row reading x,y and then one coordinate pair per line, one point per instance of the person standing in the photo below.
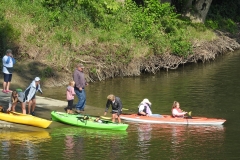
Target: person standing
x,y
70,96
30,95
8,62
116,104
79,88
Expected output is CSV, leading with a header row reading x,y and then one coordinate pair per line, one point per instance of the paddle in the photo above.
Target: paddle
x,y
189,114
106,118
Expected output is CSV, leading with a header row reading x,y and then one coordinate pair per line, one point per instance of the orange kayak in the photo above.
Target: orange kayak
x,y
167,119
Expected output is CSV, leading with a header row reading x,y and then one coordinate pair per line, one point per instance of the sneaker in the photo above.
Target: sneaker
x,y
78,111
33,114
81,109
8,90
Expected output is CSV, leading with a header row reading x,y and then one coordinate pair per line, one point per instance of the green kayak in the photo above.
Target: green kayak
x,y
86,121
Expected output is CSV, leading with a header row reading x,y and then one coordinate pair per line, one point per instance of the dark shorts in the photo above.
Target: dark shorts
x,y
113,112
7,77
25,98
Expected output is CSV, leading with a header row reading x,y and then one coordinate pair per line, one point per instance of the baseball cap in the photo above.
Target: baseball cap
x,y
37,79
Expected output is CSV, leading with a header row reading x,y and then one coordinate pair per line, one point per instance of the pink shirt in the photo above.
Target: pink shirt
x,y
177,112
70,93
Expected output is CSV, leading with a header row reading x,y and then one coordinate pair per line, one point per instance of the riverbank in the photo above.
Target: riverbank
x,y
49,42
43,110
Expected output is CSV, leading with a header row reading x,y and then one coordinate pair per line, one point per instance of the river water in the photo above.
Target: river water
x,y
208,89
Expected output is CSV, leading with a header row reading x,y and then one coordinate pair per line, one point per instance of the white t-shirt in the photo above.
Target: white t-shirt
x,y
176,113
10,64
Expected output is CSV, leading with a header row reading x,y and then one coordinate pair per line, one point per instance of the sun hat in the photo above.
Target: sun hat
x,y
37,79
146,101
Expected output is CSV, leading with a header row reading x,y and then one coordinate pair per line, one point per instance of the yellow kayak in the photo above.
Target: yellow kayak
x,y
26,119
106,118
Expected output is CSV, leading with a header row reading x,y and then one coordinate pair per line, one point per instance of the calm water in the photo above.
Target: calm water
x,y
210,89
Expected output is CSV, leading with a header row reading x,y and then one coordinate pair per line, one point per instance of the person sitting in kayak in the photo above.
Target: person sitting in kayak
x,y
116,104
144,108
16,97
176,111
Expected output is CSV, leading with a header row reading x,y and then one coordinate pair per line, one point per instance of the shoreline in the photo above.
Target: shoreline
x,y
43,110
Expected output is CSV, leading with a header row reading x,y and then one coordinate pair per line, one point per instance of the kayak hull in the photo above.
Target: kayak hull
x,y
25,119
167,119
77,120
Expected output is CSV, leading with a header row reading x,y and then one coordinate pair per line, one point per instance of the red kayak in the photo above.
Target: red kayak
x,y
171,120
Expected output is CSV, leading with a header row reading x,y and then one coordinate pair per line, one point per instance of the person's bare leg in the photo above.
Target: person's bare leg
x,y
119,119
113,117
29,107
4,85
33,104
8,85
23,105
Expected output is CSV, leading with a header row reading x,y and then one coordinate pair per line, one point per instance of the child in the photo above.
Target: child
x,y
70,97
176,111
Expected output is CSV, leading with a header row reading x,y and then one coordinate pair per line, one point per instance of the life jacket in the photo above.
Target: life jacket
x,y
145,108
179,111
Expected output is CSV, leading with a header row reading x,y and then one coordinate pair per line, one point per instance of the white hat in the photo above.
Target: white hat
x,y
37,79
146,101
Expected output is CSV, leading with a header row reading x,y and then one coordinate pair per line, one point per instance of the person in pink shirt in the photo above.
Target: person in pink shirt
x,y
70,97
176,111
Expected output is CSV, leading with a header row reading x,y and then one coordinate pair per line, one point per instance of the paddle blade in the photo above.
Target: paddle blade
x,y
106,118
190,113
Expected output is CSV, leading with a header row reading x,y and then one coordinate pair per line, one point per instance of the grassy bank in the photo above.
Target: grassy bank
x,y
98,33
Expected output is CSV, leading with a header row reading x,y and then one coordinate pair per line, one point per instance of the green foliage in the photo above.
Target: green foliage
x,y
156,18
223,15
8,35
93,70
47,72
98,28
180,46
64,37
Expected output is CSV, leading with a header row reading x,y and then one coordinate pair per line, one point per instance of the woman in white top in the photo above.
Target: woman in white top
x,y
176,111
144,108
8,62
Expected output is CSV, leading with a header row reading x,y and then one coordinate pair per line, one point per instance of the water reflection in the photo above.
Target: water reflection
x,y
178,140
88,143
21,144
69,146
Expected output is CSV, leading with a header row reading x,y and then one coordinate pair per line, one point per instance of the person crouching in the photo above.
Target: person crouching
x,y
116,104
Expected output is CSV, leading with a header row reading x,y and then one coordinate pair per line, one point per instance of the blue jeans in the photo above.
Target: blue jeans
x,y
81,99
